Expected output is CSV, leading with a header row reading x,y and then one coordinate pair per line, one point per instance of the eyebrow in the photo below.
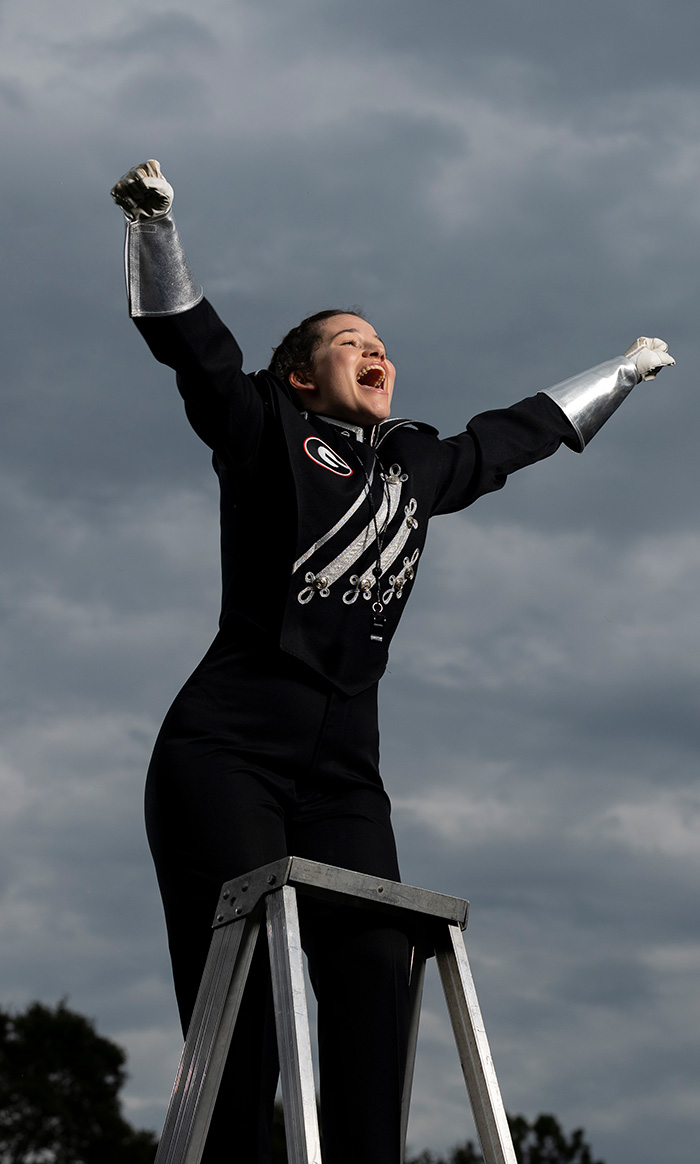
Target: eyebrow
x,y
354,331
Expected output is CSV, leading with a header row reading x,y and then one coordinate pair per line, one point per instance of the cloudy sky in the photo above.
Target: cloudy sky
x,y
511,191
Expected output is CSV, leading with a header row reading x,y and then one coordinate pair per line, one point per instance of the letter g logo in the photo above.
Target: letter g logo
x,y
324,456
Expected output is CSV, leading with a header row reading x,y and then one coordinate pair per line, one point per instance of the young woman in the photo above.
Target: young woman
x,y
271,747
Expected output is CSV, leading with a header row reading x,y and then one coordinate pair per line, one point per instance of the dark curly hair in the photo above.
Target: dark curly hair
x,y
296,351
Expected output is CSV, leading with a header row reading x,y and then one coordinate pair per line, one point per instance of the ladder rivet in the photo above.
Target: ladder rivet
x,y
271,879
219,917
380,889
244,886
225,894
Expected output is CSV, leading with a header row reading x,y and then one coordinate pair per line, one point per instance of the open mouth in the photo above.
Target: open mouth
x,y
372,376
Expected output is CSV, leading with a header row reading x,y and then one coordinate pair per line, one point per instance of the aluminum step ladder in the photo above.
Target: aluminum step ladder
x,y
269,894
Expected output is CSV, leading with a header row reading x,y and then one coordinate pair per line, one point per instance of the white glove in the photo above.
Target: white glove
x,y
649,355
143,192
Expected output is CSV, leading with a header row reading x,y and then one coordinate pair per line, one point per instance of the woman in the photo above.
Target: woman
x,y
271,747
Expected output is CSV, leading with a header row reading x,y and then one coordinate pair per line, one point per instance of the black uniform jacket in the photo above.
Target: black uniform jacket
x,y
322,523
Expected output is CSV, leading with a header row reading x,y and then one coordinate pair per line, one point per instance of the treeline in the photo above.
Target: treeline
x,y
59,1103
59,1092
541,1142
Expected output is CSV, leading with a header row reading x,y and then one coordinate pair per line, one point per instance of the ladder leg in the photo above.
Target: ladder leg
x,y
473,1048
208,1041
416,997
291,1017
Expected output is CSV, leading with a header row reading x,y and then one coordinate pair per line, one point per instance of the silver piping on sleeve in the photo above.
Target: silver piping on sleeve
x,y
158,277
590,398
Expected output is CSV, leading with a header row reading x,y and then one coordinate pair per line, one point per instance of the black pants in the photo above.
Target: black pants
x,y
258,759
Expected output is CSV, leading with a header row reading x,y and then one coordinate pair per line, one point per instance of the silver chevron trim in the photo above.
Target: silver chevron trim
x,y
338,525
321,582
363,585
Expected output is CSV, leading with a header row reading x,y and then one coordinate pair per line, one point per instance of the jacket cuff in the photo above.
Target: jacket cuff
x,y
158,277
589,399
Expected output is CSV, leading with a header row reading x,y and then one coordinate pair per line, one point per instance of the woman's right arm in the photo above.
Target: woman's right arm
x,y
179,325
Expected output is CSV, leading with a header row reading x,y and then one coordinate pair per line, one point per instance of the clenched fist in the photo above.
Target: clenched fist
x,y
649,355
143,192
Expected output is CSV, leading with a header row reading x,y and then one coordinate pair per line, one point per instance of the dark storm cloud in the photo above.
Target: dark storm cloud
x,y
511,193
577,54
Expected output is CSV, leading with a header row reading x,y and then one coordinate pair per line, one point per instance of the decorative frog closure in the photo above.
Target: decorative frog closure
x,y
320,581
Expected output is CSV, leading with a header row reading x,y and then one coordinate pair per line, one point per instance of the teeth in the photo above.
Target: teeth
x,y
371,376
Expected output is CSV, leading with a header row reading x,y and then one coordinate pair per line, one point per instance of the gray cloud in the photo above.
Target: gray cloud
x,y
512,196
158,36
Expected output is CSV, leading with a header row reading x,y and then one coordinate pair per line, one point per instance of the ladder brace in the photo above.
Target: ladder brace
x,y
270,894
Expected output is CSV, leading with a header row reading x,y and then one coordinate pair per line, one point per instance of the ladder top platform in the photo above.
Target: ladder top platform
x,y
239,897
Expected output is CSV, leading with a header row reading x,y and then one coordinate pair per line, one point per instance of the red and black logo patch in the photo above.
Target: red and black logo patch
x,y
324,456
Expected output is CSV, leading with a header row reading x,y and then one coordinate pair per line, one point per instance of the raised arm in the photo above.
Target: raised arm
x,y
181,328
158,278
501,441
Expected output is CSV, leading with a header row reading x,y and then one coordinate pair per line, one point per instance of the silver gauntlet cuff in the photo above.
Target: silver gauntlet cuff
x,y
158,278
590,398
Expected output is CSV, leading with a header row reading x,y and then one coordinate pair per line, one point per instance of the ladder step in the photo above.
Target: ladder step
x,y
438,921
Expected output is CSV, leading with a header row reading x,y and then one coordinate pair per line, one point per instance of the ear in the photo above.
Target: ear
x,y
303,381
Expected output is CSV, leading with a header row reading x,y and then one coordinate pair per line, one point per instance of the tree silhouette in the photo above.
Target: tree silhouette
x,y
461,1154
59,1088
544,1142
539,1142
59,1103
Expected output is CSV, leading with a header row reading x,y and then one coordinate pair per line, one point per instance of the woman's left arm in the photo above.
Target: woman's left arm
x,y
498,442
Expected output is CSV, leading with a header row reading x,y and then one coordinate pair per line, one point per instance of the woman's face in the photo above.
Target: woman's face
x,y
351,378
